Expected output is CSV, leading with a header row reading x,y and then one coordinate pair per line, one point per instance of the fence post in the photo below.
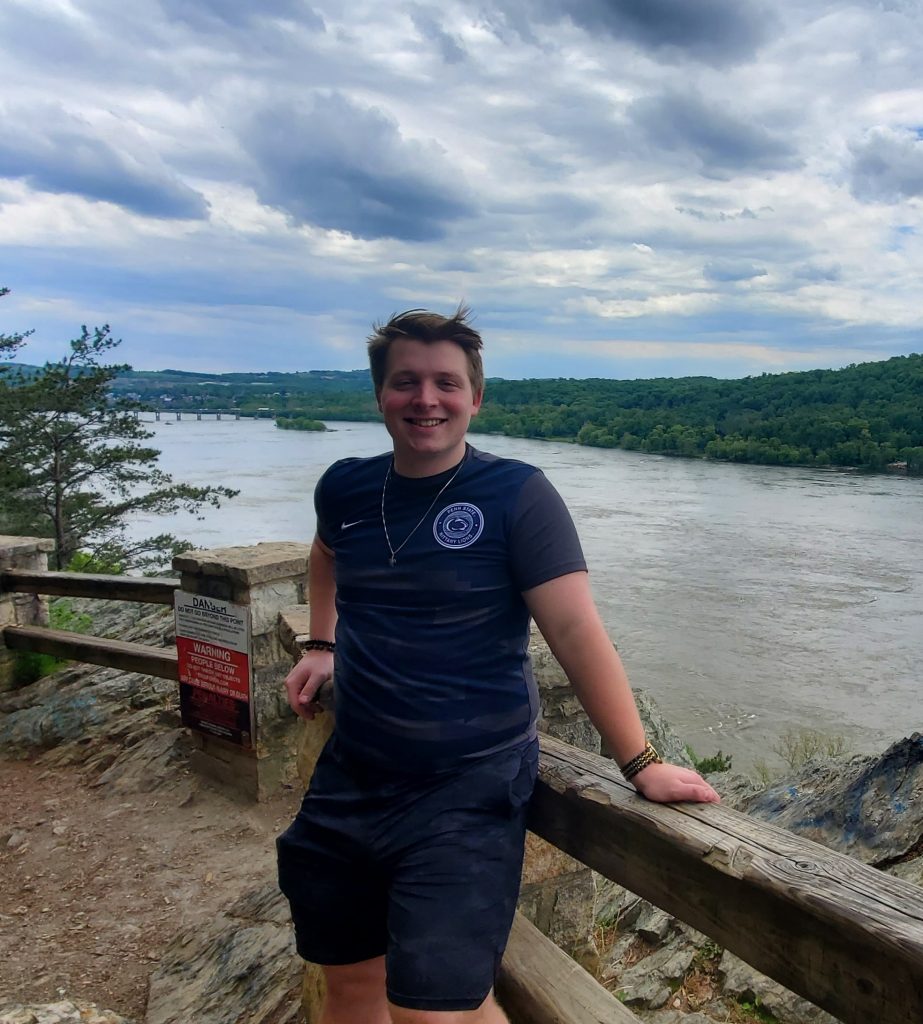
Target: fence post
x,y
30,553
266,578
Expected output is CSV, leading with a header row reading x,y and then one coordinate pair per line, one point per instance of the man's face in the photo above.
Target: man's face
x,y
427,402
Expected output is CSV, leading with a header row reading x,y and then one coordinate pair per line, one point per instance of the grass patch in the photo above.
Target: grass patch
x,y
29,666
746,1011
795,748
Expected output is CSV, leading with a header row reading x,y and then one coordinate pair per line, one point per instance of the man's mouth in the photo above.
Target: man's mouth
x,y
425,423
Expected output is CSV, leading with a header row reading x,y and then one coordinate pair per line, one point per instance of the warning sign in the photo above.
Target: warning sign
x,y
213,644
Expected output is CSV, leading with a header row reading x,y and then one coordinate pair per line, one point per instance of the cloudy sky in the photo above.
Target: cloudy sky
x,y
621,188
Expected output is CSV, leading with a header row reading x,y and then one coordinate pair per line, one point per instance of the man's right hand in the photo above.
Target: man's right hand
x,y
304,681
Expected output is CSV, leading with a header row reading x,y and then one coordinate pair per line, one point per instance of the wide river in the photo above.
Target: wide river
x,y
748,600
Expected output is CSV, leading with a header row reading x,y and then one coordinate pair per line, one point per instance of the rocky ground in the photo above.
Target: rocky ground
x,y
109,849
132,893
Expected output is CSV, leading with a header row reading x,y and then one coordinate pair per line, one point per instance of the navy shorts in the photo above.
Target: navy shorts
x,y
423,869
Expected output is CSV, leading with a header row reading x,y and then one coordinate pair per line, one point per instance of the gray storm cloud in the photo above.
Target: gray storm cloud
x,y
348,168
713,31
54,151
721,141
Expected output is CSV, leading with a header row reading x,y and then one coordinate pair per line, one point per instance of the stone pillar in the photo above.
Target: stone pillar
x,y
31,554
559,893
294,622
267,577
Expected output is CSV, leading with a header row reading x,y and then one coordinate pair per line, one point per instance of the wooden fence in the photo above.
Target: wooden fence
x,y
61,643
843,935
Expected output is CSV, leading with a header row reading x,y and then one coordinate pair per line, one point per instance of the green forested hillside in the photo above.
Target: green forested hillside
x,y
867,415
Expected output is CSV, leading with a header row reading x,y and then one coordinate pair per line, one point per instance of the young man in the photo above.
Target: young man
x,y
402,867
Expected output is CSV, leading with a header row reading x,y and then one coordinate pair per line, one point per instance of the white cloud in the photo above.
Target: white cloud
x,y
698,170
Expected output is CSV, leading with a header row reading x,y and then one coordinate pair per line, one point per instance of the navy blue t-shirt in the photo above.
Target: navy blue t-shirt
x,y
432,663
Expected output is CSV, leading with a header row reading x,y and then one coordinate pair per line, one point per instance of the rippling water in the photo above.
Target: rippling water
x,y
748,600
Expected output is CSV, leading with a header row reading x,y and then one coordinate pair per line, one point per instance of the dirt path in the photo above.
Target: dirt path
x,y
93,884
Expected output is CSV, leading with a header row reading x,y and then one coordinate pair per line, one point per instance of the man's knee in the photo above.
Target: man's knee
x,y
487,1013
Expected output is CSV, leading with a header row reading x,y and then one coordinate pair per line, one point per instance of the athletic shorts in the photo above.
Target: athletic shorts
x,y
422,869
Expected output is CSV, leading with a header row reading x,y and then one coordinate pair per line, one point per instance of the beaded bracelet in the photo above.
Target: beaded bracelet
x,y
639,762
315,645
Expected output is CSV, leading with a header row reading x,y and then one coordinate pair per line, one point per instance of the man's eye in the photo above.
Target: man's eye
x,y
449,385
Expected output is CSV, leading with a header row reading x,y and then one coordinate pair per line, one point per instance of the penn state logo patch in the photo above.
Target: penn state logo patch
x,y
459,525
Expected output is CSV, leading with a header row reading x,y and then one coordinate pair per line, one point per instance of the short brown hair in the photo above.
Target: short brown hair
x,y
422,325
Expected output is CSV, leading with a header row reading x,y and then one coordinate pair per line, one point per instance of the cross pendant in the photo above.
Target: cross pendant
x,y
392,561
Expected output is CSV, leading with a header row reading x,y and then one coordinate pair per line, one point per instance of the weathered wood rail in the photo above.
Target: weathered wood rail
x,y
60,643
843,935
146,589
122,654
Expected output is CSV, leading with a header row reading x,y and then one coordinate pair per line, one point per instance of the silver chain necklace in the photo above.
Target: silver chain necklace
x,y
392,561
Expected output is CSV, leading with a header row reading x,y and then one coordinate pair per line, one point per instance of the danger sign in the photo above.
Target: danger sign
x,y
213,645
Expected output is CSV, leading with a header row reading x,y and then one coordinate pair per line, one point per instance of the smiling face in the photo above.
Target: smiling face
x,y
427,401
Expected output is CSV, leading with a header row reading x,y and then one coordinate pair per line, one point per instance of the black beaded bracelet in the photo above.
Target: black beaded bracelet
x,y
316,645
639,762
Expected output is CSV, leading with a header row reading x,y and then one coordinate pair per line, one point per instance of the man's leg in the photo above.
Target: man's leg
x,y
453,892
487,1013
356,994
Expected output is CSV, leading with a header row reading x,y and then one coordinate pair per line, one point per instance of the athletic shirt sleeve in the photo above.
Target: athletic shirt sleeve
x,y
322,511
543,542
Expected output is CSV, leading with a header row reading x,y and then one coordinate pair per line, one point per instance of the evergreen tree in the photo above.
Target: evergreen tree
x,y
73,463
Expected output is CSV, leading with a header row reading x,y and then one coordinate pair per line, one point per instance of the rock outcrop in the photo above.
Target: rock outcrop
x,y
242,967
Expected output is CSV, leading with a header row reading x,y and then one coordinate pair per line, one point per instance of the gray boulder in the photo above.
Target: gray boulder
x,y
241,969
746,984
868,807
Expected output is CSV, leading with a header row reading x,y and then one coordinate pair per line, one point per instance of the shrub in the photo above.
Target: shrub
x,y
707,765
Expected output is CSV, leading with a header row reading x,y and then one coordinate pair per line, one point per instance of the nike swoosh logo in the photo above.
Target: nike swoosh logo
x,y
355,522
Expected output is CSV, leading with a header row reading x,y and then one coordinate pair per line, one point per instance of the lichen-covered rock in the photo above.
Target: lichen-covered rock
x,y
654,924
744,983
240,969
121,724
63,1012
650,982
868,807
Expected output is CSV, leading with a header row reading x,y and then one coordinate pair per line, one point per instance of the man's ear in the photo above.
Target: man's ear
x,y
476,402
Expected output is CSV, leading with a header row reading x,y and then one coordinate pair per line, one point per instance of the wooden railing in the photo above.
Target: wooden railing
x,y
839,933
60,643
843,935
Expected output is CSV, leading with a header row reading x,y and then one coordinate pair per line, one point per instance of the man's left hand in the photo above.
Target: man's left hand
x,y
669,783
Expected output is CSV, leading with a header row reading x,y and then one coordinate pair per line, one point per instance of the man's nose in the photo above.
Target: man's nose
x,y
427,393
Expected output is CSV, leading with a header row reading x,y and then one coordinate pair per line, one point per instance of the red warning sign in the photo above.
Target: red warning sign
x,y
218,669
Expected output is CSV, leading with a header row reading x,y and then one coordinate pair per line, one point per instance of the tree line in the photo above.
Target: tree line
x,y
866,416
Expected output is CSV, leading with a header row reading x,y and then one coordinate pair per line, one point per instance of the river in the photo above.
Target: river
x,y
748,600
